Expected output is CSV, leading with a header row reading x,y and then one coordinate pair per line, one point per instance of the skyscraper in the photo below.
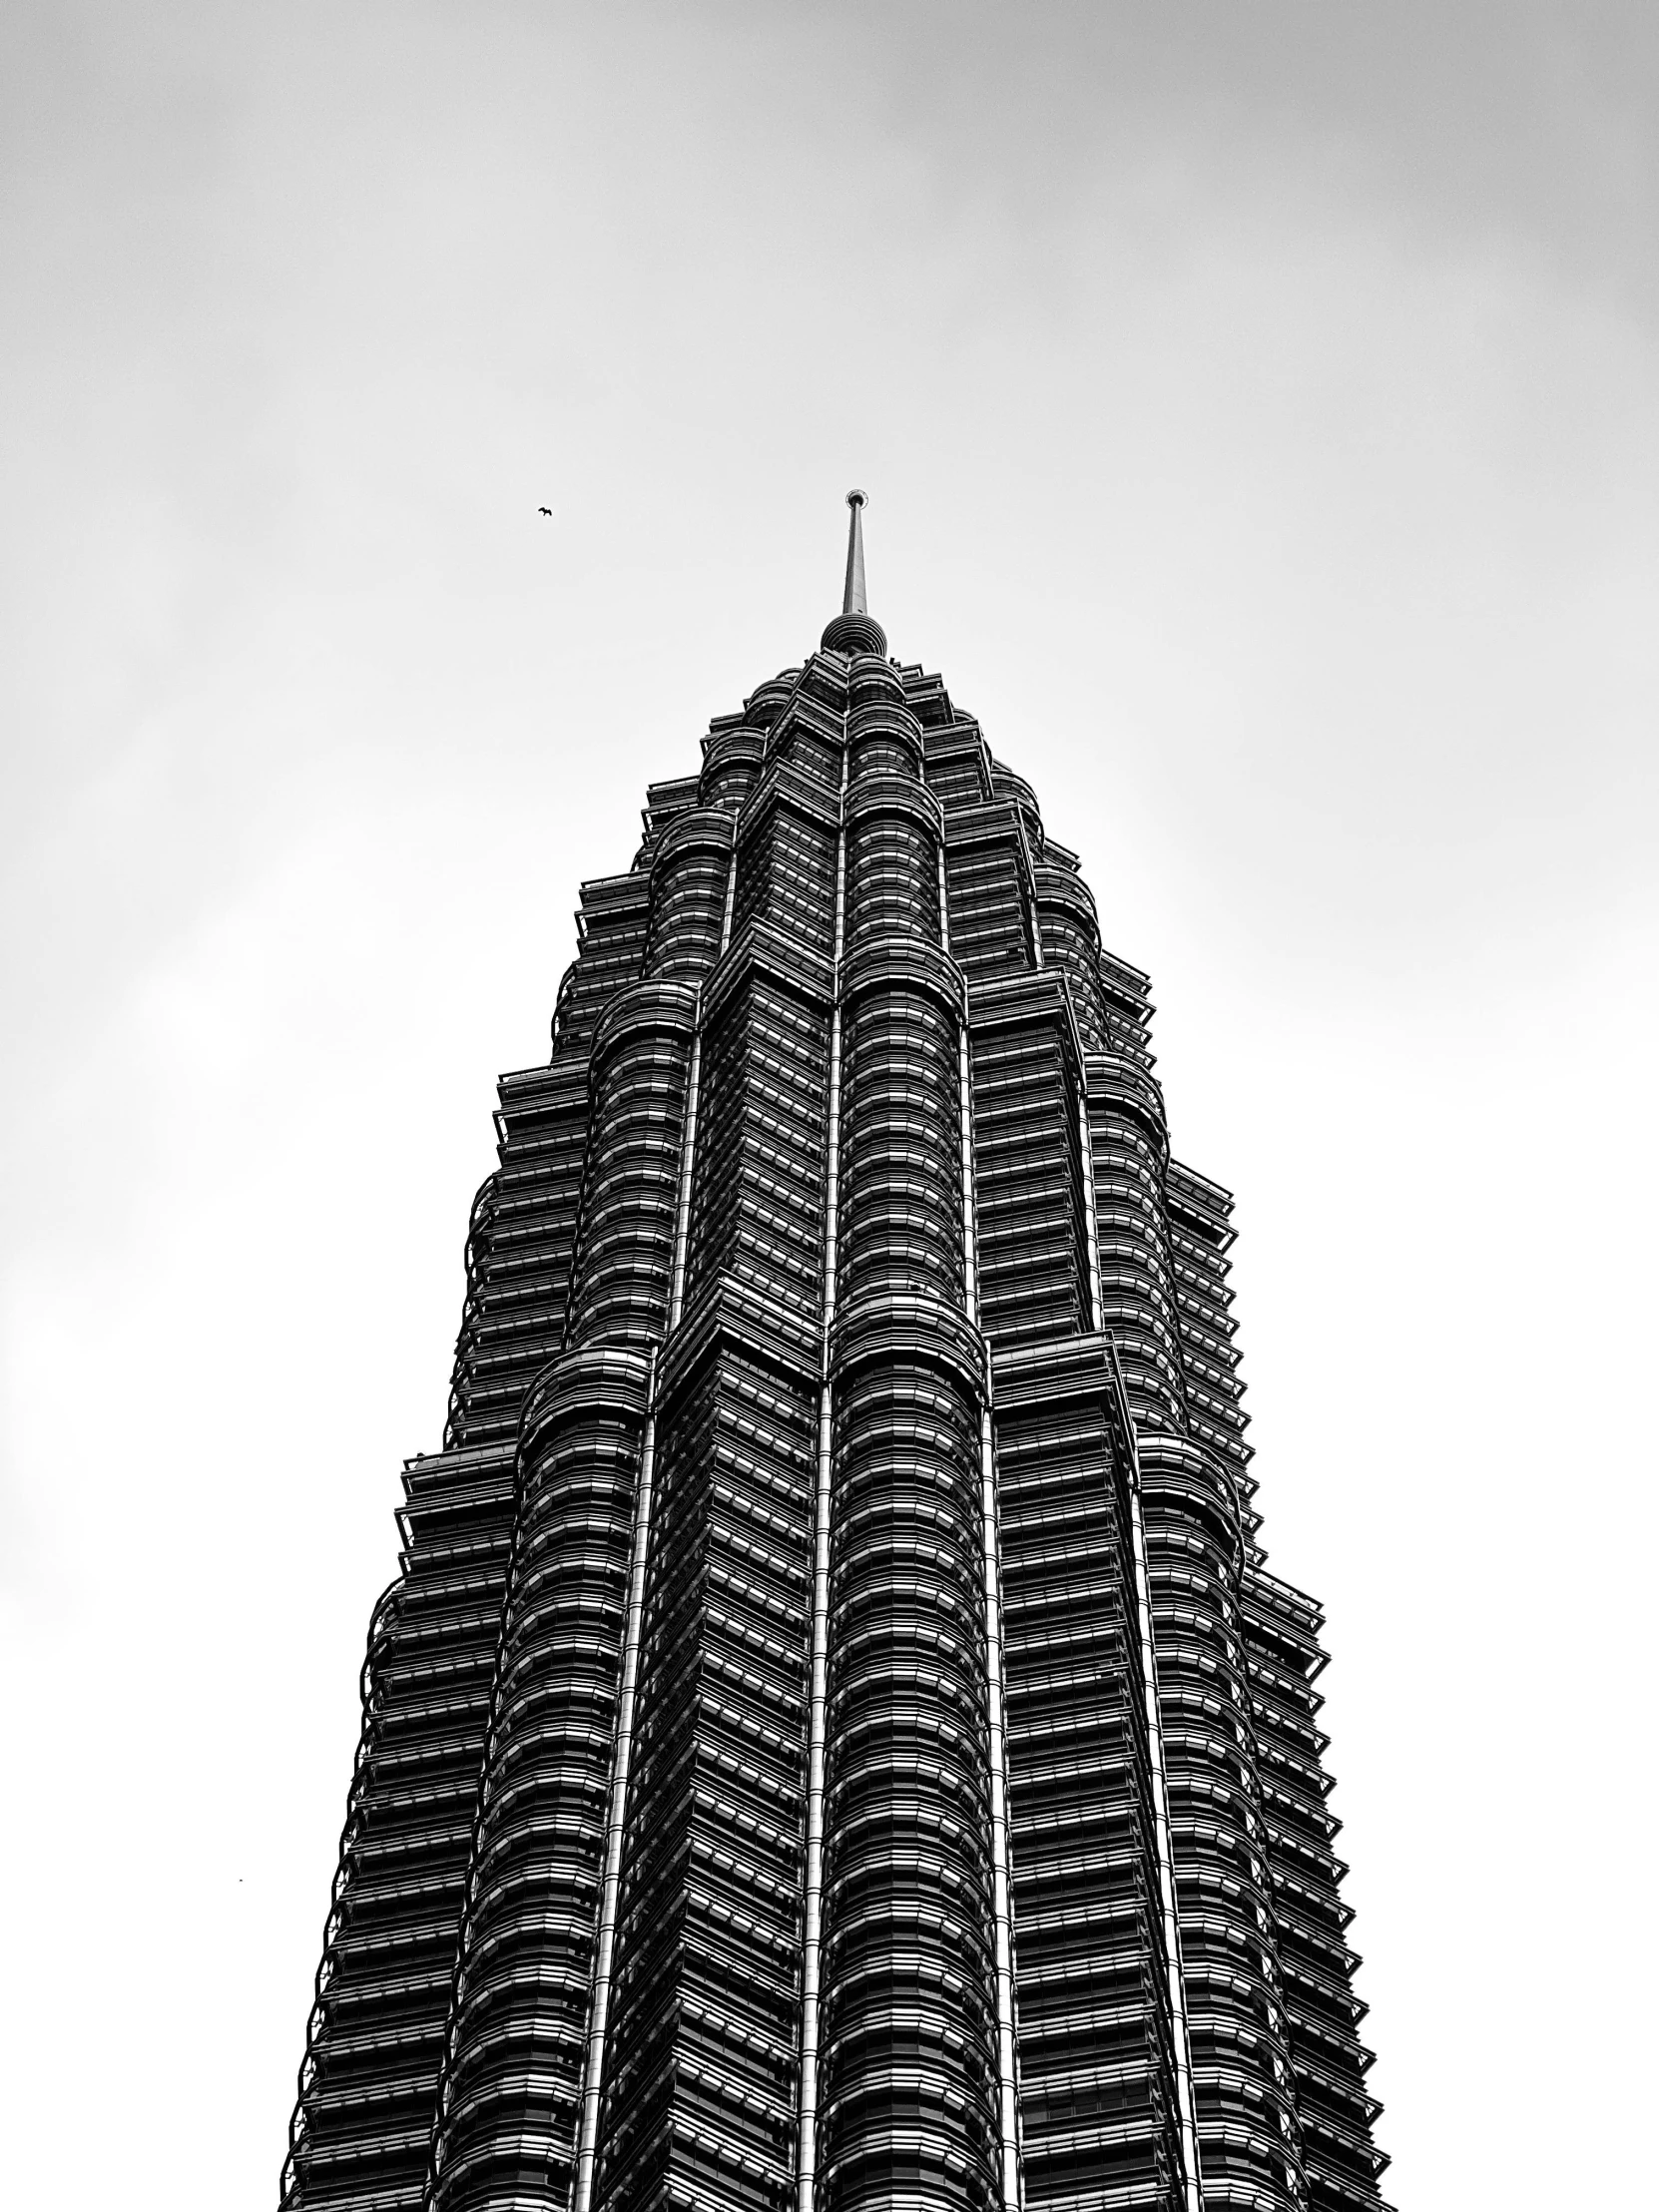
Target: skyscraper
x,y
833,1740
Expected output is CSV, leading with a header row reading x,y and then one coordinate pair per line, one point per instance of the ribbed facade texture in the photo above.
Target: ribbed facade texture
x,y
835,1742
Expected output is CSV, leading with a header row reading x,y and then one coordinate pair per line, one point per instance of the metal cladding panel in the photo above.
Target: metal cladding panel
x,y
375,2041
1029,1200
834,1743
362,2124
1096,2034
519,1249
516,2037
702,2062
1315,1964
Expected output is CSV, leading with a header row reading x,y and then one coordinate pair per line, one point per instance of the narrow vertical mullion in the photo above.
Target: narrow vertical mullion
x,y
992,1556
616,1816
617,1809
818,1709
1192,2193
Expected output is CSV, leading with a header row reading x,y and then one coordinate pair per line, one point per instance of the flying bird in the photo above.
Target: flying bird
x,y
544,511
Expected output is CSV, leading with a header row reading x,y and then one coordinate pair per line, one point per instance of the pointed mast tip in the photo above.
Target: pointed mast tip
x,y
853,631
854,599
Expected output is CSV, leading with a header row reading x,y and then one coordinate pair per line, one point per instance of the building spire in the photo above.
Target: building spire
x,y
853,631
853,600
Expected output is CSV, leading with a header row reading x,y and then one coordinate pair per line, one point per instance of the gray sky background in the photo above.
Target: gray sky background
x,y
1260,408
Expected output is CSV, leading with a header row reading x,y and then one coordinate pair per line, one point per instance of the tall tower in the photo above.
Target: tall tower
x,y
834,1742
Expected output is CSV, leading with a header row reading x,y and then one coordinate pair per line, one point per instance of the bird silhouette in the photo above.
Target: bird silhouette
x,y
544,511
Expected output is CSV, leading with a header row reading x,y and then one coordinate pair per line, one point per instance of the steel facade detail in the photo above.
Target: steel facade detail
x,y
834,1741
819,1697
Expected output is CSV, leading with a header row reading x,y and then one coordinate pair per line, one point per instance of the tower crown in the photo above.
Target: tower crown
x,y
767,1793
852,630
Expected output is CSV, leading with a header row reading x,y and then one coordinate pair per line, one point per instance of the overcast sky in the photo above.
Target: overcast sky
x,y
1258,407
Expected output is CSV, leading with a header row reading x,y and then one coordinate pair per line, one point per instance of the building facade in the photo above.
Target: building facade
x,y
835,1742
